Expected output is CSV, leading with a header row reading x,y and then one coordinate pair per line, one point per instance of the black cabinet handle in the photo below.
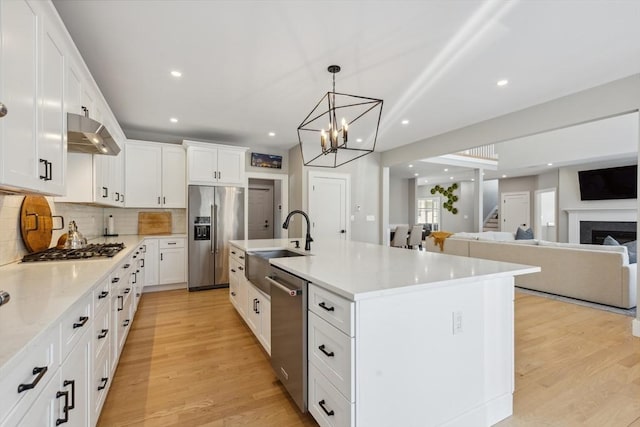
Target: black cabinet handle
x,y
126,266
161,259
164,200
142,263
240,268
233,294
127,290
103,294
44,177
72,383
66,407
49,172
233,252
105,192
126,322
135,277
103,333
323,305
254,304
257,306
158,199
121,300
39,371
117,196
327,353
232,270
82,321
172,243
241,257
115,280
102,386
329,413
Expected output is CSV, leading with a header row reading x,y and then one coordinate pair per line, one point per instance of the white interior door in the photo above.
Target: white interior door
x,y
260,213
515,211
328,201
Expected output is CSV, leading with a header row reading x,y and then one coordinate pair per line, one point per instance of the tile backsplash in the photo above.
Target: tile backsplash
x,y
91,221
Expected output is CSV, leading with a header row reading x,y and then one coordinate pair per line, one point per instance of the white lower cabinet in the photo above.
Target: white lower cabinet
x,y
165,261
327,405
74,374
44,410
252,304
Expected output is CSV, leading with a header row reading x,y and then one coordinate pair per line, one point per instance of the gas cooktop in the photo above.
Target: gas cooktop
x,y
90,251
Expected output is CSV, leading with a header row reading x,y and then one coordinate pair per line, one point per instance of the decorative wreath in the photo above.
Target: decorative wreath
x,y
448,193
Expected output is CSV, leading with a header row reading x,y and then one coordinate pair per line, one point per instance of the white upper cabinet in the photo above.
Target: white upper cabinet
x,y
154,175
214,164
32,134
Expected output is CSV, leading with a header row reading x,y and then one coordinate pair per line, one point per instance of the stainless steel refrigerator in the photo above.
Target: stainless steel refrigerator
x,y
216,215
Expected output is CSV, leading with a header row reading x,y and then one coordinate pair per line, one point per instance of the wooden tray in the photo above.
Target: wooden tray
x,y
154,223
36,223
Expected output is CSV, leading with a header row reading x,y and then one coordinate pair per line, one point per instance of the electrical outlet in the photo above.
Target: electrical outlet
x,y
371,218
457,322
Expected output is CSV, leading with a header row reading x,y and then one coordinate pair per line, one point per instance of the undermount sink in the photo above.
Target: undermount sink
x,y
257,266
277,253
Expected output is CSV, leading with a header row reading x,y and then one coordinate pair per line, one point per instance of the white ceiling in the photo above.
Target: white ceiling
x,y
253,67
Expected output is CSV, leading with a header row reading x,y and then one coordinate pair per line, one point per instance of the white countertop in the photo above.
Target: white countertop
x,y
42,291
358,270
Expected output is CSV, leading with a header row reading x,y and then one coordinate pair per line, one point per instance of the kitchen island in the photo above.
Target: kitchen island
x,y
404,338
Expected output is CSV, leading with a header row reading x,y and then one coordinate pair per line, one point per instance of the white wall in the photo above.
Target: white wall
x,y
490,197
398,200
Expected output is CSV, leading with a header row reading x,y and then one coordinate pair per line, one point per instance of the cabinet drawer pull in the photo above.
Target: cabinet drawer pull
x,y
172,243
232,270
257,306
105,192
66,407
103,384
126,322
233,252
115,280
103,333
142,263
39,371
44,177
233,294
126,266
103,294
329,413
121,301
127,290
82,321
323,305
72,383
240,268
327,353
241,257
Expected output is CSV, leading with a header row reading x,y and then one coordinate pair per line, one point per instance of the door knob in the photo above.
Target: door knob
x,y
343,231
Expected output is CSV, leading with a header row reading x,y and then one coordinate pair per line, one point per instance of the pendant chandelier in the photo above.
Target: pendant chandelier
x,y
327,142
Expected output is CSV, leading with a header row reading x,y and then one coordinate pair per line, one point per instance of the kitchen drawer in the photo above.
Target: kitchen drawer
x,y
99,385
331,351
171,243
42,353
326,404
237,254
101,330
101,295
76,321
332,308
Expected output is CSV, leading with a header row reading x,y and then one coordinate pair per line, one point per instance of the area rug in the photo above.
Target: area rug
x,y
630,312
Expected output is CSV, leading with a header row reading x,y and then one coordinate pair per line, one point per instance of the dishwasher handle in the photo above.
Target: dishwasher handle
x,y
291,292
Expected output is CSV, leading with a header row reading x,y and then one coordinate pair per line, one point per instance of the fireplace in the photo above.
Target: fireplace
x,y
594,232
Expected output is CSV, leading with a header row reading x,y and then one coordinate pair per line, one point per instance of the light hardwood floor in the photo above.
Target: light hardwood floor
x,y
190,361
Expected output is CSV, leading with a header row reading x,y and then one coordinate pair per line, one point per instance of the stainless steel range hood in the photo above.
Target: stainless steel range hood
x,y
85,135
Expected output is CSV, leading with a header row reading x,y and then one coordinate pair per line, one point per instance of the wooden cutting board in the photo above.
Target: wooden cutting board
x,y
36,224
154,222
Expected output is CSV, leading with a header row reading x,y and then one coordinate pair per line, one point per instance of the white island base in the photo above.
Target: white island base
x,y
435,357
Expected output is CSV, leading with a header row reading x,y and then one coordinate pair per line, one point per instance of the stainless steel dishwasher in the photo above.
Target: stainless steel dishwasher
x,y
289,332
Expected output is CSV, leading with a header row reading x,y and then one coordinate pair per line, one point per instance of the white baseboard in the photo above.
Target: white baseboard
x,y
158,288
636,327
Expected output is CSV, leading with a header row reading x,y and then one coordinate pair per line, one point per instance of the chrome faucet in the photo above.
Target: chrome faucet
x,y
308,239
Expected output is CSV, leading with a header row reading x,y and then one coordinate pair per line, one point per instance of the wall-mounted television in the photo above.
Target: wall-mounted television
x,y
610,183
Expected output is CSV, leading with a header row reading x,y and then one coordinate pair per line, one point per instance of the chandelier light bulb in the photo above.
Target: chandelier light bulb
x,y
345,130
323,140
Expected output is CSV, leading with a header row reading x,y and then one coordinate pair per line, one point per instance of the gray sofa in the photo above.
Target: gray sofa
x,y
600,274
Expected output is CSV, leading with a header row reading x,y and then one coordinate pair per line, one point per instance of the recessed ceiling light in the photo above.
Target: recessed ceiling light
x,y
410,166
504,176
502,82
405,122
482,173
272,134
549,164
173,120
450,177
446,170
473,179
359,140
176,73
416,174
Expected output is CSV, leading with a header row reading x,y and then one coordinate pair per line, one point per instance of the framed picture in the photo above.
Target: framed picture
x,y
266,161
